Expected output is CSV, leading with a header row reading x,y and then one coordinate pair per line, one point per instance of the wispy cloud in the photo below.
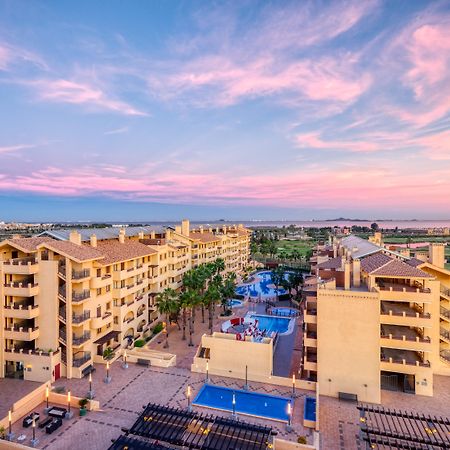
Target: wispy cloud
x,y
117,131
15,148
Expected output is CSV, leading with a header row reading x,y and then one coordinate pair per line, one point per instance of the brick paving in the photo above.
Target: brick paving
x,y
12,390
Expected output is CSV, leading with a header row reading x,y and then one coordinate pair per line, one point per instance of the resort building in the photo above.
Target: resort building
x,y
376,319
67,296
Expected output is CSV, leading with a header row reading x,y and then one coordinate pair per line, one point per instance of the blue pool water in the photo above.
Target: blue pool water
x,y
272,323
234,303
261,286
310,409
284,312
249,403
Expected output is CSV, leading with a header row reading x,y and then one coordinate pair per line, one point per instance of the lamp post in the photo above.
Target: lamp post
x,y
289,414
69,413
293,385
124,357
34,441
188,394
10,435
166,341
207,371
107,379
91,393
246,378
47,393
233,401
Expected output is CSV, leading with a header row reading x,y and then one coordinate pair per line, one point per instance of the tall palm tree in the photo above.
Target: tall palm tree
x,y
166,302
277,276
227,290
211,297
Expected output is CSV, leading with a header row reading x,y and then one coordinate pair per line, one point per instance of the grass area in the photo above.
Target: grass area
x,y
289,247
404,239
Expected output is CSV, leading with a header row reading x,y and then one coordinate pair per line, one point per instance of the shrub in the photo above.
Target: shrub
x,y
302,440
108,353
139,343
157,328
83,402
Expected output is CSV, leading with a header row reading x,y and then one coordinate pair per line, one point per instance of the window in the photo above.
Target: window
x,y
99,291
99,273
108,288
116,267
116,320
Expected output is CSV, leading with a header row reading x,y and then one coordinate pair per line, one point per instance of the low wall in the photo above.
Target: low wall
x,y
199,366
33,399
281,444
156,358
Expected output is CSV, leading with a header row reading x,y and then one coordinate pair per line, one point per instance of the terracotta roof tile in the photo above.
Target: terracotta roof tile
x,y
374,262
113,251
333,263
206,236
414,262
77,252
28,244
397,268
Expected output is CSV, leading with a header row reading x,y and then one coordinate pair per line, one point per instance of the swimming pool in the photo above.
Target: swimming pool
x,y
235,303
280,325
284,312
261,286
248,403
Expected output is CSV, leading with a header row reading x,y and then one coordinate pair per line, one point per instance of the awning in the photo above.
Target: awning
x,y
107,337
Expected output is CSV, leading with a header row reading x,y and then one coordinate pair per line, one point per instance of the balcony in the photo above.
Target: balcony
x,y
403,292
99,322
78,297
80,340
100,282
310,339
78,319
402,337
21,289
445,356
402,314
310,361
445,292
21,266
80,275
18,333
62,336
444,334
62,294
62,314
81,358
17,311
445,313
404,361
62,269
310,316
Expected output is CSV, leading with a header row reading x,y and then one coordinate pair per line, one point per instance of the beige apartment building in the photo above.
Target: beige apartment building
x,y
67,296
376,319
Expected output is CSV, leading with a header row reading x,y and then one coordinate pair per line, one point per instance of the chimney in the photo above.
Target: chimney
x,y
405,252
141,235
210,229
347,275
357,272
122,236
185,226
75,237
224,229
201,229
93,240
177,229
335,250
436,255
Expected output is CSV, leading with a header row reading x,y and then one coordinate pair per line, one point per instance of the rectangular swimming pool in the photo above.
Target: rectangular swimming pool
x,y
272,323
248,403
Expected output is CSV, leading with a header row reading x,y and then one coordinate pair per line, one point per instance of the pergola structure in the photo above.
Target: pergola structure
x,y
191,430
129,443
389,429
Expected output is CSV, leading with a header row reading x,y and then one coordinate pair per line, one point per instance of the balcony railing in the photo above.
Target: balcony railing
x,y
62,292
445,291
37,351
78,318
80,296
24,329
405,338
28,261
445,312
397,360
139,313
445,333
130,319
78,340
79,274
80,358
62,335
445,354
21,284
62,313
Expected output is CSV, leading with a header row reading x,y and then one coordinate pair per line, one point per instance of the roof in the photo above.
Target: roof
x,y
114,251
397,268
129,443
374,262
414,262
77,252
101,233
333,263
359,247
27,245
206,236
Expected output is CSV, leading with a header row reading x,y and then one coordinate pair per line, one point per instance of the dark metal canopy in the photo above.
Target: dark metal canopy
x,y
386,429
107,337
198,431
128,443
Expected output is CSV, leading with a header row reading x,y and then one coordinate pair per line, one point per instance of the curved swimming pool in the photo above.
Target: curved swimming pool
x,y
261,287
235,303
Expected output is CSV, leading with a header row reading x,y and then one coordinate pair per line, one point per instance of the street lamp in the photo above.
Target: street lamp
x,y
246,378
233,401
47,393
91,392
289,414
188,394
125,364
69,414
207,371
107,379
166,341
10,433
34,441
293,385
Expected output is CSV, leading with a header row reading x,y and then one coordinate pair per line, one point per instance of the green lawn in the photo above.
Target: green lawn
x,y
289,246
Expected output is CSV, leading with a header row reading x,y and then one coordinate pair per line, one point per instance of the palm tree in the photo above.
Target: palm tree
x,y
219,265
211,297
166,302
227,290
277,276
